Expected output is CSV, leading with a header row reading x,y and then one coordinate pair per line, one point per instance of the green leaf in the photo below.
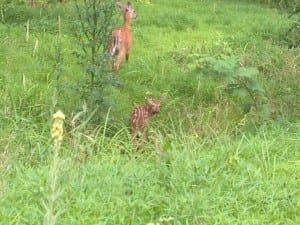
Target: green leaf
x,y
236,89
247,72
191,66
226,66
255,86
245,107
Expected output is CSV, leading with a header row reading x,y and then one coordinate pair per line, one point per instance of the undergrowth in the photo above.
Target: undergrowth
x,y
208,160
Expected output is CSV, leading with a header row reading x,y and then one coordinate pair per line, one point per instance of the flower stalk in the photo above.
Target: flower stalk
x,y
57,136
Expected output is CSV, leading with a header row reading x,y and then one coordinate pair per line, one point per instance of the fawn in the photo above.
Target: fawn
x,y
121,38
141,115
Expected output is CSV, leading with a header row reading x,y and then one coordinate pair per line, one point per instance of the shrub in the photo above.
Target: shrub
x,y
95,20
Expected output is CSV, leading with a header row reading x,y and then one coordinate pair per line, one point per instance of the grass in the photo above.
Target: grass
x,y
250,180
205,163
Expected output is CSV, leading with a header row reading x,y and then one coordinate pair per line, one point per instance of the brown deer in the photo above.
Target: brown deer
x,y
141,115
121,39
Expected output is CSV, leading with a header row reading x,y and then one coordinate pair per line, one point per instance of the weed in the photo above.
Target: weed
x,y
204,162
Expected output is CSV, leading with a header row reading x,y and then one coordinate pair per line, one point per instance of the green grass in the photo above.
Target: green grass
x,y
205,162
250,180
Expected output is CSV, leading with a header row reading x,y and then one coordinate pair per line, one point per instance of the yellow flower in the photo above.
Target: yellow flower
x,y
59,115
57,127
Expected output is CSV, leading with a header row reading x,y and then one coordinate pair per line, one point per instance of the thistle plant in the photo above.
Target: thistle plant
x,y
57,136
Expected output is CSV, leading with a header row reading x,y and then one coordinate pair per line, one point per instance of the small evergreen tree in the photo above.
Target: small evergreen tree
x,y
92,31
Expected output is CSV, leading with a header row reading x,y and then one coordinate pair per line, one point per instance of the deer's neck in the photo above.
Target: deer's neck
x,y
126,23
150,110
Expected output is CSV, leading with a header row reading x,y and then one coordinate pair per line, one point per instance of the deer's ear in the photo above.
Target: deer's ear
x,y
149,99
128,4
119,4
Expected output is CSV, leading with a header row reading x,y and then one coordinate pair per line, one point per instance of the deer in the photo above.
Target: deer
x,y
121,38
140,116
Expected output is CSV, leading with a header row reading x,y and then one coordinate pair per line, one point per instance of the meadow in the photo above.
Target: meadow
x,y
223,150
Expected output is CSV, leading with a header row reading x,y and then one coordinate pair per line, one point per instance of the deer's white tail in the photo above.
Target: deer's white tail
x,y
115,42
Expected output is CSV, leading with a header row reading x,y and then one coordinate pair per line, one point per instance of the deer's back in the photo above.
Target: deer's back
x,y
139,115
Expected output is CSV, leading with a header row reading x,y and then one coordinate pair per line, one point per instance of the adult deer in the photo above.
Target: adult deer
x,y
121,39
140,116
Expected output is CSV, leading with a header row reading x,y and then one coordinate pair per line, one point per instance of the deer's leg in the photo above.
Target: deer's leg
x,y
134,132
114,46
119,60
111,47
127,56
144,133
113,43
135,136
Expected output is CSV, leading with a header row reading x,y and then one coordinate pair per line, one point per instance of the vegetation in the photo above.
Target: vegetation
x,y
223,149
92,31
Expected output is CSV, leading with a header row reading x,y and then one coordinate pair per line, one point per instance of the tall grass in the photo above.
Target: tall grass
x,y
248,180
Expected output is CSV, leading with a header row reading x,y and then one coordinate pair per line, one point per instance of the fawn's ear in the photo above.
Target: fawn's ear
x,y
149,99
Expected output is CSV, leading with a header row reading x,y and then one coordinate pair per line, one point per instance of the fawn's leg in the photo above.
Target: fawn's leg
x,y
135,137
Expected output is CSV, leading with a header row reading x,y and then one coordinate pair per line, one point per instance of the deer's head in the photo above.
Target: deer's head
x,y
127,10
154,104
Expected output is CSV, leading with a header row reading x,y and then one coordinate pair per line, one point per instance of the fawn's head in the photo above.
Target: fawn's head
x,y
127,10
154,104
